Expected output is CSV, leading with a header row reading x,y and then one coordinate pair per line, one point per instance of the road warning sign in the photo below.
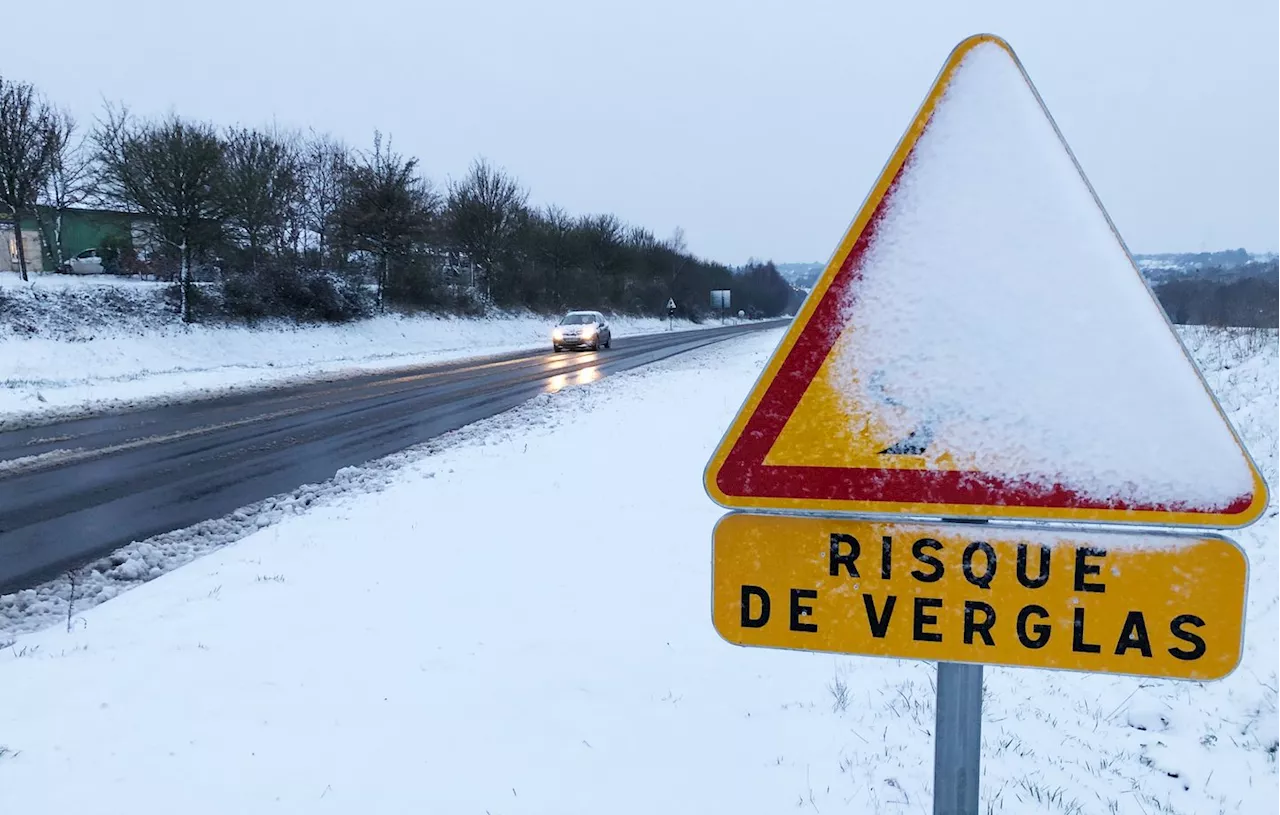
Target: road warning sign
x,y
982,344
1151,604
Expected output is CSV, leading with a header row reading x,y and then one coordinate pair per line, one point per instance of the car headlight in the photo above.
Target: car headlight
x,y
588,331
557,334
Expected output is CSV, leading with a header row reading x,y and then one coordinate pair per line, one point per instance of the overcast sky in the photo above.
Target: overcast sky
x,y
758,127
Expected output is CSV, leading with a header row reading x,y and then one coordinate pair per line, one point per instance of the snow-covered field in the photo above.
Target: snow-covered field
x,y
76,345
518,622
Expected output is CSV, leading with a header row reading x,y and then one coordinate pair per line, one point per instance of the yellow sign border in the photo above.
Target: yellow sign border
x,y
1191,520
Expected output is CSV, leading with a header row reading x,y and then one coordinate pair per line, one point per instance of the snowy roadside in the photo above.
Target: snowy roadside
x,y
126,352
407,651
63,601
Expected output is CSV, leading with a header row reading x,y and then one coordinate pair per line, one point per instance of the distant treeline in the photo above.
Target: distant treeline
x,y
1223,259
1245,296
307,227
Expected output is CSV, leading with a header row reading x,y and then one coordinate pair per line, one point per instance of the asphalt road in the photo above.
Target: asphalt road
x,y
73,491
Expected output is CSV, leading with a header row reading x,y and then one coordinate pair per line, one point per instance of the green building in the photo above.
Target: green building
x,y
76,231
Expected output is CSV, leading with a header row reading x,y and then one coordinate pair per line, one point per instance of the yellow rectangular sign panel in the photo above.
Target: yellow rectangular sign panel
x,y
1149,604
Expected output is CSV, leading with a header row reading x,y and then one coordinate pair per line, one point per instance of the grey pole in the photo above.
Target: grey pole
x,y
957,746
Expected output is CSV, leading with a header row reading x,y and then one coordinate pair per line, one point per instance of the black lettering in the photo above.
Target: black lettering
x,y
1177,629
849,561
879,623
1077,637
747,620
982,581
1134,635
923,618
918,552
886,553
981,628
799,610
1042,630
1084,569
1023,577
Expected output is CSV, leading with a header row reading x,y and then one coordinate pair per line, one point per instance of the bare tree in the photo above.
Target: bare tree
x,y
641,239
324,167
169,171
556,246
26,148
604,238
483,216
679,257
67,184
387,208
260,184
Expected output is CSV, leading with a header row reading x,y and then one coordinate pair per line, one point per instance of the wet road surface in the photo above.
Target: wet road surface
x,y
76,490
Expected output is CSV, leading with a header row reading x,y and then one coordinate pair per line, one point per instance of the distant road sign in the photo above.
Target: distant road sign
x,y
720,298
671,303
1151,604
982,345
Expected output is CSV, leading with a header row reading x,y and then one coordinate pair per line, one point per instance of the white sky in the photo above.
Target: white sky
x,y
758,127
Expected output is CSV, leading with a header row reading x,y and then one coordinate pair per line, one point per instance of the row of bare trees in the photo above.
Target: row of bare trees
x,y
1247,296
304,226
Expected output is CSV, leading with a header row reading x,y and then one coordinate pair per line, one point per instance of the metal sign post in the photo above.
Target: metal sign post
x,y
957,739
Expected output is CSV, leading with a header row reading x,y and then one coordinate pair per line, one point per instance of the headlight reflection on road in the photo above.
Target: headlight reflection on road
x,y
584,376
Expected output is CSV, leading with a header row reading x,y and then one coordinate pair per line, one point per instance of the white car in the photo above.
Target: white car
x,y
87,262
582,329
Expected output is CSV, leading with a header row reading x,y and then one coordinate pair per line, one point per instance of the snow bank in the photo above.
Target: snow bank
x,y
518,623
997,312
86,344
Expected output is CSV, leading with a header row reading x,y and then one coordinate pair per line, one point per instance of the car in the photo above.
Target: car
x,y
87,262
581,329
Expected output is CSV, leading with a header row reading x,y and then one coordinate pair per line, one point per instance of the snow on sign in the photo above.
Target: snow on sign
x,y
1164,604
982,344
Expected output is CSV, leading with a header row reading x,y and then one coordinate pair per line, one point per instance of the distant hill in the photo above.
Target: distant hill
x,y
1225,265
1230,287
801,275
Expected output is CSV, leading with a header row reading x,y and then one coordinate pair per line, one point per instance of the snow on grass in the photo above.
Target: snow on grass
x,y
56,283
518,623
88,344
998,312
64,599
76,308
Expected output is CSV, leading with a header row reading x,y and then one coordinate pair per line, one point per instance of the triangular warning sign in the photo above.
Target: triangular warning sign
x,y
982,344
